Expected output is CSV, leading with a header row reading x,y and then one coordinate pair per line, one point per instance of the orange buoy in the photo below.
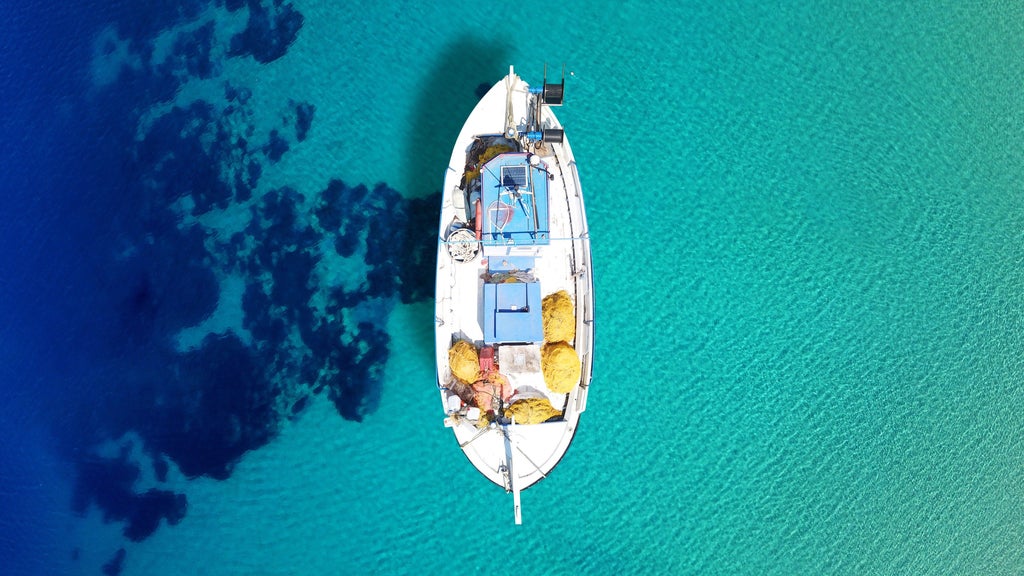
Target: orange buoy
x,y
479,218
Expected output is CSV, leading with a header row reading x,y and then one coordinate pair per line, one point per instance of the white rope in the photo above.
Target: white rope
x,y
462,245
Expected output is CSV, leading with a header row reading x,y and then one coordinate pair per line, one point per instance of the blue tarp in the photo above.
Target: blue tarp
x,y
512,313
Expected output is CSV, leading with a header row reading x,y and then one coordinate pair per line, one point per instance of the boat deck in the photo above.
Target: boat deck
x,y
515,456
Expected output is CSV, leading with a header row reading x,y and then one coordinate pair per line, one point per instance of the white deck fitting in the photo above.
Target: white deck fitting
x,y
525,453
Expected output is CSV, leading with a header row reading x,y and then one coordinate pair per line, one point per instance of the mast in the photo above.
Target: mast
x,y
513,478
510,123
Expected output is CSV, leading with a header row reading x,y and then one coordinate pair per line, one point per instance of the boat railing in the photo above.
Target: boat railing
x,y
575,177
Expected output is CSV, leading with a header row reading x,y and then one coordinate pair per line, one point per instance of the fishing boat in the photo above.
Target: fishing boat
x,y
515,292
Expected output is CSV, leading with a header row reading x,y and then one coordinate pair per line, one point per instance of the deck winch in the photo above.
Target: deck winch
x,y
546,135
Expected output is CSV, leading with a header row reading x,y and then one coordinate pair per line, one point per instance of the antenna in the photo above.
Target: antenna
x,y
510,125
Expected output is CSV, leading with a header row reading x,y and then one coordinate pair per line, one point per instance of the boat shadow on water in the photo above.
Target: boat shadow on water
x,y
448,94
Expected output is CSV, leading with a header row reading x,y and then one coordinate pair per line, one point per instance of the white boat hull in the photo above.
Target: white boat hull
x,y
515,456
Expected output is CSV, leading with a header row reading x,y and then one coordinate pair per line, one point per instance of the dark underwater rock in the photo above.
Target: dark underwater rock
x,y
268,33
114,566
355,391
276,147
191,55
226,408
160,468
303,119
150,507
167,284
109,484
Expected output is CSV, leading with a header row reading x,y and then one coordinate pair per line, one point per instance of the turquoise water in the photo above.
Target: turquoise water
x,y
808,236
828,237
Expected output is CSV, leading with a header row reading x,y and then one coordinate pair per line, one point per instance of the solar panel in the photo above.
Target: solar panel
x,y
513,176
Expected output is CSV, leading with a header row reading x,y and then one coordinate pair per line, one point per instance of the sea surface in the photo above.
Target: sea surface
x,y
217,235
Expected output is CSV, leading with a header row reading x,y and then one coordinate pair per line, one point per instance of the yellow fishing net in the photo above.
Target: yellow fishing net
x,y
559,317
486,157
531,411
464,362
561,367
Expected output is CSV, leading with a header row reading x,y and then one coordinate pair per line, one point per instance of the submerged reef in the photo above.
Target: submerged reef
x,y
316,273
168,284
270,31
225,408
303,119
192,55
109,483
197,152
114,566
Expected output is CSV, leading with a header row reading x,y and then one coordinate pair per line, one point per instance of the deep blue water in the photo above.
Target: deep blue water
x,y
37,72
